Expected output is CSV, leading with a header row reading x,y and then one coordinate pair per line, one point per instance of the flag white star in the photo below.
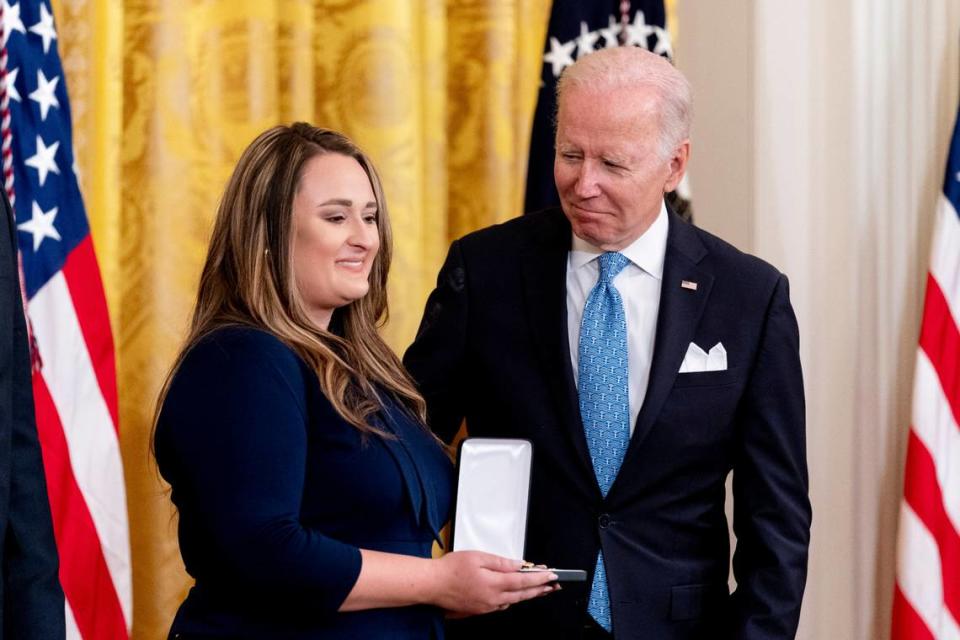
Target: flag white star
x,y
560,55
12,84
11,20
44,94
43,160
40,225
611,34
663,46
638,32
586,40
45,28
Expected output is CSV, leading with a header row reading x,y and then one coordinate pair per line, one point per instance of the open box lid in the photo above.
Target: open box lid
x,y
493,489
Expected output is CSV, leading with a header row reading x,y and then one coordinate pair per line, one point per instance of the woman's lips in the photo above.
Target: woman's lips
x,y
353,264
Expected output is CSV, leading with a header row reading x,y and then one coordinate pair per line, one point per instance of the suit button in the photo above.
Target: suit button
x,y
604,520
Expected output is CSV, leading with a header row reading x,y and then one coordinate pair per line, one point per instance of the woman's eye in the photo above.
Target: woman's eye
x,y
335,217
370,218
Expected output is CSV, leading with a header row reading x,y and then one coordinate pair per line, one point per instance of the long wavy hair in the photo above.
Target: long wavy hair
x,y
248,278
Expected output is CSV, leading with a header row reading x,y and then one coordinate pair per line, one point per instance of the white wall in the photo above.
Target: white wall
x,y
819,144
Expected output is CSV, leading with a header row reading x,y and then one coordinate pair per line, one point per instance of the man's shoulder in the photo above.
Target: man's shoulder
x,y
722,255
520,231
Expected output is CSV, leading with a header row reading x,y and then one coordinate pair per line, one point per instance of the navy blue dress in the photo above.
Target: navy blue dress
x,y
277,493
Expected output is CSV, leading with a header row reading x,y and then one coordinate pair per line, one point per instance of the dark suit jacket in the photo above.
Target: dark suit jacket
x,y
32,601
493,348
277,494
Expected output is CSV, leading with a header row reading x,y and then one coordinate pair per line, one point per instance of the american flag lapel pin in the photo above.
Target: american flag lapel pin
x,y
687,284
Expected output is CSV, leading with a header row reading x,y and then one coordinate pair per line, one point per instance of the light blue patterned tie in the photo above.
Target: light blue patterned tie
x,y
604,403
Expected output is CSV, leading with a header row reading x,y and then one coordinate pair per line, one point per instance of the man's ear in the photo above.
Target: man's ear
x,y
678,166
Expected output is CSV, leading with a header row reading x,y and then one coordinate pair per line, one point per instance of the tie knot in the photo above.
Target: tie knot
x,y
612,263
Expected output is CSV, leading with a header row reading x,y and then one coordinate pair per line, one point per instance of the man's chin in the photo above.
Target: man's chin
x,y
600,238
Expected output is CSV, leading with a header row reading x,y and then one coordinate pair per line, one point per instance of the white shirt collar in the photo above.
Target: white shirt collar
x,y
647,251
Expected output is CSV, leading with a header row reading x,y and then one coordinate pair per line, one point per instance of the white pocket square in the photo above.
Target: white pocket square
x,y
697,360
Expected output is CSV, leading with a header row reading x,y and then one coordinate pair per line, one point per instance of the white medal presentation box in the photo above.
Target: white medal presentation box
x,y
493,490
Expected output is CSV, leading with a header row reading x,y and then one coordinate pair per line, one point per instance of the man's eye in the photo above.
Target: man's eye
x,y
612,165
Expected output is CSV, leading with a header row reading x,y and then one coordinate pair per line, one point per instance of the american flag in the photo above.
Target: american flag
x,y
926,602
74,377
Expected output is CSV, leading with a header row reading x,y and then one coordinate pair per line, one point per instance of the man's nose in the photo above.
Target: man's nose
x,y
587,185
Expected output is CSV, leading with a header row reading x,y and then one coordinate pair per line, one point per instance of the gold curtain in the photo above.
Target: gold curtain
x,y
166,94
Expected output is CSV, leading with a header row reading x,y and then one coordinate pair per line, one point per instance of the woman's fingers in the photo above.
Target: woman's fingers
x,y
526,579
513,597
496,563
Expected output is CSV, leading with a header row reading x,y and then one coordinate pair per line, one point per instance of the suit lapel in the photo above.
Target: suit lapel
x,y
407,450
545,299
677,319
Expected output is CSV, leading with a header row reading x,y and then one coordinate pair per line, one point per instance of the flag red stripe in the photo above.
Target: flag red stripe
x,y
84,575
922,492
907,625
940,340
86,289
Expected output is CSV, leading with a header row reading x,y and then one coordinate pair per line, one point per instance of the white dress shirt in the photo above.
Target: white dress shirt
x,y
639,287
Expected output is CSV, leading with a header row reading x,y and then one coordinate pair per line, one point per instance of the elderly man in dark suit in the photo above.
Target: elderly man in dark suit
x,y
646,360
31,600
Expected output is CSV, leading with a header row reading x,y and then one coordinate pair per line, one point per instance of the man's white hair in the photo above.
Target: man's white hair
x,y
629,67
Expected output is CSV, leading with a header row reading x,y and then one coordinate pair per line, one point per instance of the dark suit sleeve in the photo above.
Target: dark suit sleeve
x,y
771,506
232,442
436,358
32,597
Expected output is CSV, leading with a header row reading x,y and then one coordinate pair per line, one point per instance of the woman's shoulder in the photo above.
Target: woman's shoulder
x,y
241,346
228,380
238,357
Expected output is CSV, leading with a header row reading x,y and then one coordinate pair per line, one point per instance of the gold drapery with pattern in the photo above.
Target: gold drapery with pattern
x,y
166,94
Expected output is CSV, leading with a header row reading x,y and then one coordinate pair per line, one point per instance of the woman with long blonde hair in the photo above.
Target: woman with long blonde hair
x,y
308,487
